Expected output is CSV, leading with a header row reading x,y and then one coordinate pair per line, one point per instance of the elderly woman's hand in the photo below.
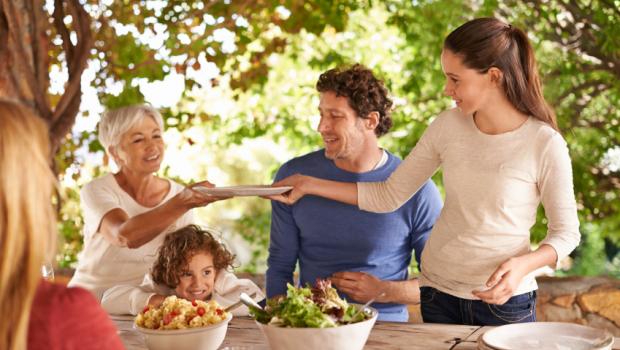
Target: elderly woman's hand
x,y
193,198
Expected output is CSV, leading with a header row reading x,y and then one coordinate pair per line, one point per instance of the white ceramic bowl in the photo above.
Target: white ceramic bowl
x,y
203,338
347,337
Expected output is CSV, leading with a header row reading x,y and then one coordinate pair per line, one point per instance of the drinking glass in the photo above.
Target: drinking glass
x,y
47,271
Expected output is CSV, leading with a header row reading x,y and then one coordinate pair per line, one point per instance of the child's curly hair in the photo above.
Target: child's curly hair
x,y
180,246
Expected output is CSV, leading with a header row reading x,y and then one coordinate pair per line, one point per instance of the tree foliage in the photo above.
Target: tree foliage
x,y
267,56
67,34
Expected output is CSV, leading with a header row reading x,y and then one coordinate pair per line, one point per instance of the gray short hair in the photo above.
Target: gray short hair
x,y
115,123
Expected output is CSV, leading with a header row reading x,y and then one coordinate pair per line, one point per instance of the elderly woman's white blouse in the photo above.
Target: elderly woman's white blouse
x,y
102,265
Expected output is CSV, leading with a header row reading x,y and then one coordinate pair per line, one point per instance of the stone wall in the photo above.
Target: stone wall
x,y
592,301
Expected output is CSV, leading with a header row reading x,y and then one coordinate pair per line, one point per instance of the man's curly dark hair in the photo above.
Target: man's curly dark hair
x,y
364,92
178,249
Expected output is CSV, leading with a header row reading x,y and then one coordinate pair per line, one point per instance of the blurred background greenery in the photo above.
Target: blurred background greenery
x,y
235,82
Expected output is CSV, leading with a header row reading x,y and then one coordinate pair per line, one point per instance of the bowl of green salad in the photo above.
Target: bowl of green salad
x,y
314,318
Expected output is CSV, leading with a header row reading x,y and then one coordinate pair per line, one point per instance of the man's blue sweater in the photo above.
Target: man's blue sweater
x,y
326,236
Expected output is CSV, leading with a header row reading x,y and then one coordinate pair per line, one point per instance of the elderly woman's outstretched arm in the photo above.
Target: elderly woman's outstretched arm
x,y
121,230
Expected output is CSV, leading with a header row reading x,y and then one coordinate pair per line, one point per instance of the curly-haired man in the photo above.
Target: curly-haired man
x,y
334,240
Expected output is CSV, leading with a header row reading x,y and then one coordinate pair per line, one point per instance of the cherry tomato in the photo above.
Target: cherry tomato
x,y
201,311
167,318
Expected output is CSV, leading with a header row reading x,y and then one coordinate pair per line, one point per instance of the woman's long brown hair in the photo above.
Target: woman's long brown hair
x,y
27,220
484,43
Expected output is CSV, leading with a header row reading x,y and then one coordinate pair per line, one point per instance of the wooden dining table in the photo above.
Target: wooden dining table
x,y
244,334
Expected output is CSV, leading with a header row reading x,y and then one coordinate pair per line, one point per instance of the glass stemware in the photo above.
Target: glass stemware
x,y
47,271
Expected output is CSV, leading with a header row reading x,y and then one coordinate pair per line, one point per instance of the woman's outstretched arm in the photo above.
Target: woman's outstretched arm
x,y
345,192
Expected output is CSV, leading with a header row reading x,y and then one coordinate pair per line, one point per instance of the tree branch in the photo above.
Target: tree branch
x,y
59,23
22,60
589,42
581,67
581,31
69,104
612,6
78,62
577,89
39,50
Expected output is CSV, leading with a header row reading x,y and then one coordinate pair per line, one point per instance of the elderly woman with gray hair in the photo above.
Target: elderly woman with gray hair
x,y
127,214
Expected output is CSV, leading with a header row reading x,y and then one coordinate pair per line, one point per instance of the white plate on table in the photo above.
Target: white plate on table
x,y
546,335
238,191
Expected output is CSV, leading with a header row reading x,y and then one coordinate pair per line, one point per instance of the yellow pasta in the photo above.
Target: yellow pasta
x,y
177,313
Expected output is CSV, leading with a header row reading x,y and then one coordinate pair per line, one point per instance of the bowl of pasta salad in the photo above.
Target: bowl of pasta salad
x,y
183,325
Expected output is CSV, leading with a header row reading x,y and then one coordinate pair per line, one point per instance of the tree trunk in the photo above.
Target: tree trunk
x,y
26,31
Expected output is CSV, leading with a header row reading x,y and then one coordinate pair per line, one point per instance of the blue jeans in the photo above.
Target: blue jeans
x,y
439,307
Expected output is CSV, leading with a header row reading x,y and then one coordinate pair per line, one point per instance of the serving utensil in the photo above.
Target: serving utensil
x,y
249,302
237,304
363,307
256,310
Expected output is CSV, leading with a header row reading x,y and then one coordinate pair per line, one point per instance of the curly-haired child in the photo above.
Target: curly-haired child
x,y
191,264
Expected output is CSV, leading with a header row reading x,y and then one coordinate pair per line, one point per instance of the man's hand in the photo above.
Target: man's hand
x,y
504,281
360,286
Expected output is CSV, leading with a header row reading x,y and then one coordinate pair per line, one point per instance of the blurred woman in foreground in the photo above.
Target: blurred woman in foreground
x,y
37,314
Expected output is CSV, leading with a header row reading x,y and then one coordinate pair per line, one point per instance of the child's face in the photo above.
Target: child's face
x,y
198,280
